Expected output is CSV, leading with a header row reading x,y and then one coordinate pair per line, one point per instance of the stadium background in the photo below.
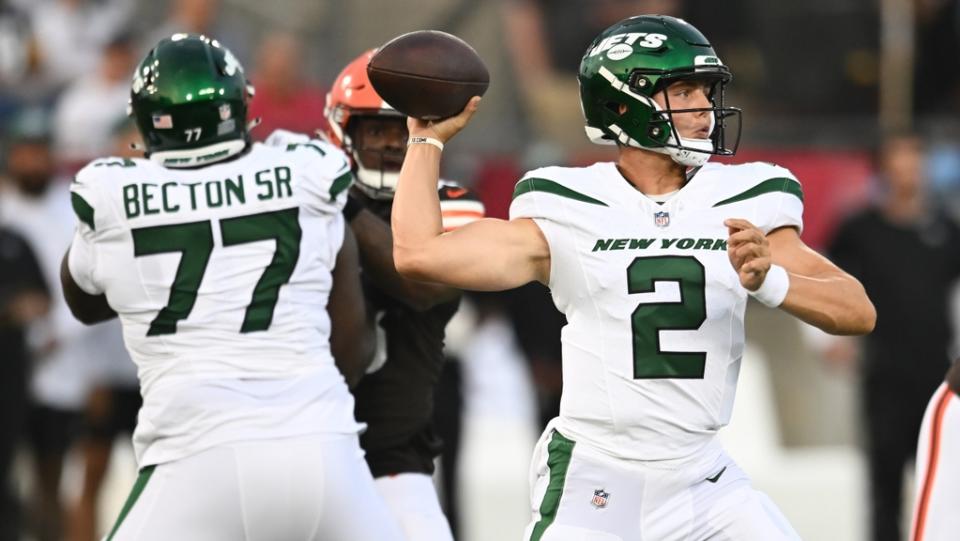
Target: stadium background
x,y
818,82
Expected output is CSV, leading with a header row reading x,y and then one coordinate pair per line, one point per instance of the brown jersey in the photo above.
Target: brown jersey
x,y
396,399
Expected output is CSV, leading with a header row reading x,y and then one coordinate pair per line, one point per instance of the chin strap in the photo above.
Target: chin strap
x,y
689,152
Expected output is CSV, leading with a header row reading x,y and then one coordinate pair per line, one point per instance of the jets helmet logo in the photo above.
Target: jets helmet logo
x,y
621,45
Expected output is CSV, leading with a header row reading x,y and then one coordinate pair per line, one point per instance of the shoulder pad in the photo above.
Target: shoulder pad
x,y
292,141
559,181
326,168
88,183
749,180
331,157
767,170
552,172
107,166
281,138
768,195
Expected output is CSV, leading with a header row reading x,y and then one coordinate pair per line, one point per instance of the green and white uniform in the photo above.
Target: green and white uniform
x,y
652,347
217,255
220,275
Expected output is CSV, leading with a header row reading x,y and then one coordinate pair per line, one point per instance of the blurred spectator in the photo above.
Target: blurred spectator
x,y
114,401
546,45
89,109
18,55
198,17
190,16
284,99
498,402
24,298
906,252
70,35
37,206
935,90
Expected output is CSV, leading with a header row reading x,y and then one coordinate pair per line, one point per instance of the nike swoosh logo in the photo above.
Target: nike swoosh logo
x,y
716,477
454,193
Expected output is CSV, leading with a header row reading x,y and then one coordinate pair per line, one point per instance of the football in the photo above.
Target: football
x,y
428,74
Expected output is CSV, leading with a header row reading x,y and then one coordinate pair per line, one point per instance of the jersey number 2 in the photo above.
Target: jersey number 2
x,y
648,319
194,241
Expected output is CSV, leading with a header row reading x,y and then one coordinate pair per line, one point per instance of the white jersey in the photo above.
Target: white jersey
x,y
220,276
654,334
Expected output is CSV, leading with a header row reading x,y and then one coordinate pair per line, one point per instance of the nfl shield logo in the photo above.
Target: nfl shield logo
x,y
600,498
225,112
661,219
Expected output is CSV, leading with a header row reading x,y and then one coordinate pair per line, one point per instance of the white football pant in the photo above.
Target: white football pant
x,y
412,499
578,493
311,488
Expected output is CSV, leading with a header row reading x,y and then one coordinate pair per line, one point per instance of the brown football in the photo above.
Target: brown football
x,y
428,74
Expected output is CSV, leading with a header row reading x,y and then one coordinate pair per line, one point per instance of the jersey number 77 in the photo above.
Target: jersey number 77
x,y
194,241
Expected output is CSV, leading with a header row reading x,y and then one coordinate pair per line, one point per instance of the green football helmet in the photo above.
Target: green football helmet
x,y
189,99
633,60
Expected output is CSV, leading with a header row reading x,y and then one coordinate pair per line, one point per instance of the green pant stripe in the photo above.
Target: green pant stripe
x,y
138,487
559,451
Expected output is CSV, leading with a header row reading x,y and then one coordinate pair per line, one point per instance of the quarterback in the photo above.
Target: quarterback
x,y
652,259
220,256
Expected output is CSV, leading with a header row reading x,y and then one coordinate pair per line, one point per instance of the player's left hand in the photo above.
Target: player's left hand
x,y
749,252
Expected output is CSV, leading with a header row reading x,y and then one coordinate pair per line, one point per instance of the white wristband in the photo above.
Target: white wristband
x,y
425,141
774,287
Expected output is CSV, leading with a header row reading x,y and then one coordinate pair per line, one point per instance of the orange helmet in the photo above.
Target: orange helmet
x,y
352,96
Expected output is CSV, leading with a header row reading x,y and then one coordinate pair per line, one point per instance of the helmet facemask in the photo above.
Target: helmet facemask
x,y
694,152
661,133
376,141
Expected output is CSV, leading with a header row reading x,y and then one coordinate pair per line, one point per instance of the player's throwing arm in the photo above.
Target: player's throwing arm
x,y
487,254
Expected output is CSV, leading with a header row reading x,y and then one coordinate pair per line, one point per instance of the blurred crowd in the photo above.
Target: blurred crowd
x,y
884,207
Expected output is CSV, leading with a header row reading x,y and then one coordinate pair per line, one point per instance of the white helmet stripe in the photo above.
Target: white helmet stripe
x,y
623,137
625,88
691,152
